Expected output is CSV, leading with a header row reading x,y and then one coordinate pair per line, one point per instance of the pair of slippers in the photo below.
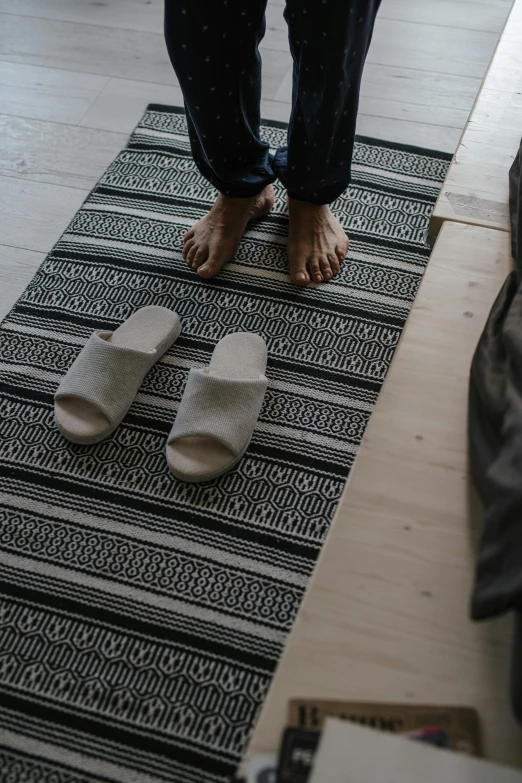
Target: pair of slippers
x,y
219,408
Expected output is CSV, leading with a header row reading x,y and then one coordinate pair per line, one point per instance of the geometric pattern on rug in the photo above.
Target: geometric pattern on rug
x,y
141,618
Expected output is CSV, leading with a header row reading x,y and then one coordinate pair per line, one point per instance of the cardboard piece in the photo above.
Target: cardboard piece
x,y
460,723
349,753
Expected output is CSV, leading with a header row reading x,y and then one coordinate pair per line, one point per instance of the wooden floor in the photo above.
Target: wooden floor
x,y
476,188
75,76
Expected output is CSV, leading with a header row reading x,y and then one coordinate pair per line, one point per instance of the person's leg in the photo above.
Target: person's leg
x,y
213,46
329,40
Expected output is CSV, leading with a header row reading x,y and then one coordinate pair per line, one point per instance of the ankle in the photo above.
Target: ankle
x,y
306,207
266,193
233,201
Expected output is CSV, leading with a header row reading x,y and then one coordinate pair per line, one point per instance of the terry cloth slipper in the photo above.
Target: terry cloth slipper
x,y
102,382
219,409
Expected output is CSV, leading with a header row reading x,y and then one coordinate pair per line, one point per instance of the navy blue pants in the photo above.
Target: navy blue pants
x,y
213,46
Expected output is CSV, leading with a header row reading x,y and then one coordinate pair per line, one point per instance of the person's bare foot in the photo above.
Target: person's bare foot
x,y
317,243
214,240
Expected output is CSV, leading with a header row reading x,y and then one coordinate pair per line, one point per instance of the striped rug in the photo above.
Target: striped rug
x,y
141,618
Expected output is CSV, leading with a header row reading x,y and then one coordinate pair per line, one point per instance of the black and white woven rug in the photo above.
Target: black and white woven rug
x,y
141,618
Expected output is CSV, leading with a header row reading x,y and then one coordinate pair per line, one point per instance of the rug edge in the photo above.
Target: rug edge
x,y
440,154
164,107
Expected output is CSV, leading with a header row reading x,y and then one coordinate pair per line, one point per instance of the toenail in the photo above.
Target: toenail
x,y
301,276
327,274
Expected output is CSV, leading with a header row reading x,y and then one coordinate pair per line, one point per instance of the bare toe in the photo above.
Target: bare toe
x,y
335,266
187,248
188,235
191,254
298,271
211,267
315,270
342,249
326,268
200,257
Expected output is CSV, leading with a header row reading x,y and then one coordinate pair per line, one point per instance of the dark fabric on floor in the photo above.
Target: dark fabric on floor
x,y
213,46
495,434
141,618
495,441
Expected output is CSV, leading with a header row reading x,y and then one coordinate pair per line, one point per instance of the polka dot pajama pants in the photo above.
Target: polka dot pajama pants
x,y
213,46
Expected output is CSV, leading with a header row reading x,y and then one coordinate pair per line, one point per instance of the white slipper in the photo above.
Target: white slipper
x,y
102,382
219,409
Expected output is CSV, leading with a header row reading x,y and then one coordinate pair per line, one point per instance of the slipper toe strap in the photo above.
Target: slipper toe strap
x,y
225,409
106,375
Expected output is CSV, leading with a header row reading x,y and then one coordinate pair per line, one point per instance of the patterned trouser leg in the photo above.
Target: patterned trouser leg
x,y
213,45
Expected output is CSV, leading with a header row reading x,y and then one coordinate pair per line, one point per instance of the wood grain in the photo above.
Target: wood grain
x,y
430,98
148,14
56,154
431,48
121,103
17,268
435,137
47,93
86,48
34,215
110,51
140,15
485,15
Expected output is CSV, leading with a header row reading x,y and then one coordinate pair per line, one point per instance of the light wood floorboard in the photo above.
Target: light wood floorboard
x,y
121,103
17,269
47,93
476,187
33,215
147,15
57,154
